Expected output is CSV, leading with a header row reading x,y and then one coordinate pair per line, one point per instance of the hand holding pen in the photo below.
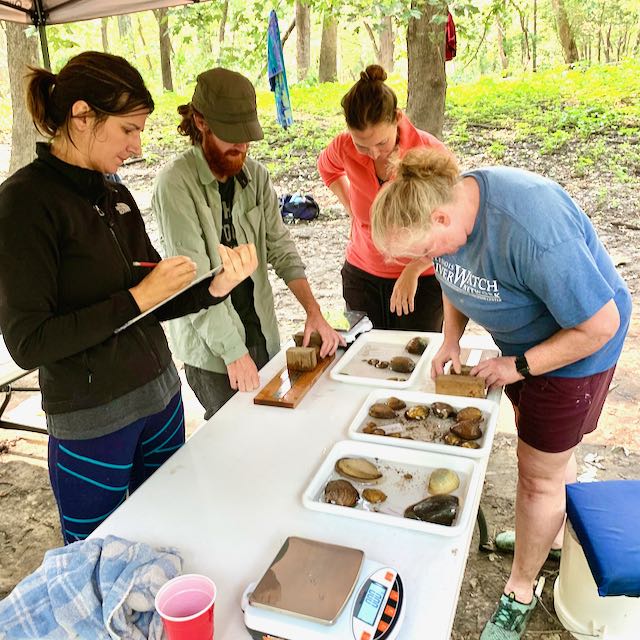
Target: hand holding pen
x,y
165,278
172,274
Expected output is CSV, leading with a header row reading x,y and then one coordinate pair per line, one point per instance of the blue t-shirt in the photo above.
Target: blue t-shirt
x,y
533,265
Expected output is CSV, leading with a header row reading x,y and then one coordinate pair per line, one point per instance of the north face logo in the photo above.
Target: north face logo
x,y
122,208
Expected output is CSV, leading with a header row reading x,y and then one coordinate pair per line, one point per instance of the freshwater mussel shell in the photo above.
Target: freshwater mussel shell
x,y
358,469
395,403
382,364
417,346
374,496
402,364
467,430
442,410
417,412
382,411
441,509
453,440
342,493
370,427
442,481
469,413
470,444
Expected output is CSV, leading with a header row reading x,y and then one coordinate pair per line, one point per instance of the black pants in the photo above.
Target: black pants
x,y
213,389
363,291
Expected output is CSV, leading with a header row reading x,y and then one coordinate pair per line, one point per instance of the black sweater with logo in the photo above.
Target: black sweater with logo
x,y
68,239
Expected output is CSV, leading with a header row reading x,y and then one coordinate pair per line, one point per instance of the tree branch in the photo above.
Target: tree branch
x,y
376,48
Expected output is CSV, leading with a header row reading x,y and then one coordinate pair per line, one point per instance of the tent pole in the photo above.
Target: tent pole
x,y
44,45
40,20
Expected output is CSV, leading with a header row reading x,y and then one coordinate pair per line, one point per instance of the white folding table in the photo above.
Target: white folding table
x,y
231,496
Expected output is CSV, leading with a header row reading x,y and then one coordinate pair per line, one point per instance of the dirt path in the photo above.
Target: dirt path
x,y
28,518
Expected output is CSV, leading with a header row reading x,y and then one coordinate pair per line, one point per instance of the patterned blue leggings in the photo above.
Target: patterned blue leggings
x,y
91,478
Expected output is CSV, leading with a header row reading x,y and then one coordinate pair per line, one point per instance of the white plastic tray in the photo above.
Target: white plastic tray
x,y
383,345
488,407
402,491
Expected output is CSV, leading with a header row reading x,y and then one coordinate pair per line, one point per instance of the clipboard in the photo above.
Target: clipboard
x,y
204,276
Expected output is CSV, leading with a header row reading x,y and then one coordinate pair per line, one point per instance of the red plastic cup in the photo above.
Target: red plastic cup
x,y
185,605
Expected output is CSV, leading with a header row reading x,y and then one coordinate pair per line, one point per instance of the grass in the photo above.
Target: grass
x,y
582,109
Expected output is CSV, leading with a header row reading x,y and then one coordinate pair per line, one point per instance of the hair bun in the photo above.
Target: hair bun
x,y
423,164
373,73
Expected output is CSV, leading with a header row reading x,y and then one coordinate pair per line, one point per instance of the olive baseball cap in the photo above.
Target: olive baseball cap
x,y
227,101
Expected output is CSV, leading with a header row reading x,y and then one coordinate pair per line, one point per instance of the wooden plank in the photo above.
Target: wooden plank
x,y
460,385
286,389
451,384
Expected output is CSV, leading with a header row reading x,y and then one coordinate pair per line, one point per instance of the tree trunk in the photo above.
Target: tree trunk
x,y
303,39
165,48
387,46
144,44
427,81
567,39
328,67
21,51
223,22
126,33
504,60
534,40
607,48
104,24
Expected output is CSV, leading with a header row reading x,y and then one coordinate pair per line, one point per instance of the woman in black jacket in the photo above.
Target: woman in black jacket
x,y
69,244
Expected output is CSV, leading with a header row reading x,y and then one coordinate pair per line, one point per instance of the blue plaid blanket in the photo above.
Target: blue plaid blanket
x,y
92,589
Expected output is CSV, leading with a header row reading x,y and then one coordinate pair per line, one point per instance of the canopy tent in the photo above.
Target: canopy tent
x,y
40,13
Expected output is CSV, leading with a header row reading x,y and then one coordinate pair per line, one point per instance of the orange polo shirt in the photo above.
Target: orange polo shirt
x,y
341,158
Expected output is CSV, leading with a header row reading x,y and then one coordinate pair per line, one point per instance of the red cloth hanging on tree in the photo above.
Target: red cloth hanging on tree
x,y
450,39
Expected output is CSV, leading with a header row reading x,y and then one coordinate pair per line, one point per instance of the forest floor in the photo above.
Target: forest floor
x,y
28,517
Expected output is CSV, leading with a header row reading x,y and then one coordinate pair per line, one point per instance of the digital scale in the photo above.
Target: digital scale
x,y
315,591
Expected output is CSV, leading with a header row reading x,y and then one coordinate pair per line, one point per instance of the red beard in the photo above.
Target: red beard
x,y
223,164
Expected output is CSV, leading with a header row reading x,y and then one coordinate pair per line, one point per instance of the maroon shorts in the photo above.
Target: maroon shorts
x,y
553,414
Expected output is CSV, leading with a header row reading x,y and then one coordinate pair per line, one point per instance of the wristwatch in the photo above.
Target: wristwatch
x,y
522,366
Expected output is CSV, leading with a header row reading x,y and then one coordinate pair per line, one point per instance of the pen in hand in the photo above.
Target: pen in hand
x,y
144,264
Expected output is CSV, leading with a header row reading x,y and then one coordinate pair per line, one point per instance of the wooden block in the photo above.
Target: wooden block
x,y
301,358
452,384
314,340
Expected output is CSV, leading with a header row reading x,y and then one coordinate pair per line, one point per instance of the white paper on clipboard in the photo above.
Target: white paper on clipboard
x,y
204,276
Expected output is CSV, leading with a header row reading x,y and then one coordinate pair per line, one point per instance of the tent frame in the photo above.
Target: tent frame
x,y
38,16
39,19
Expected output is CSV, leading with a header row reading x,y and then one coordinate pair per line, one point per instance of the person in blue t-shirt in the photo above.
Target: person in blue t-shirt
x,y
517,255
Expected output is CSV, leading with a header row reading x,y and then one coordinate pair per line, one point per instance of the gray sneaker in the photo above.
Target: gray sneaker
x,y
509,621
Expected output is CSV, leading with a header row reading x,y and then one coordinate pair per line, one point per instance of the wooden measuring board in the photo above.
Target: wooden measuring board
x,y
286,389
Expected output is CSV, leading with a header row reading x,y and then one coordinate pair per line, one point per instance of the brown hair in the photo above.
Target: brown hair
x,y
187,126
107,83
370,101
424,181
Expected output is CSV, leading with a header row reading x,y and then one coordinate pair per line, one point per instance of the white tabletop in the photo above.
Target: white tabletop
x,y
231,496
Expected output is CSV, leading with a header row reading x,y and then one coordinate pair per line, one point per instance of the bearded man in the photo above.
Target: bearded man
x,y
214,193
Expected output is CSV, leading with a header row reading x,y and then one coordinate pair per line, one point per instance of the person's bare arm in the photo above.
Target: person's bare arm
x,y
562,348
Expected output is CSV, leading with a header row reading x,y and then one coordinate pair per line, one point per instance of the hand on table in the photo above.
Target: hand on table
x,y
166,278
237,264
331,339
243,374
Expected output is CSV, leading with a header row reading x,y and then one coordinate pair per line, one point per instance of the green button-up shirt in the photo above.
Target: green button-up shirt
x,y
187,206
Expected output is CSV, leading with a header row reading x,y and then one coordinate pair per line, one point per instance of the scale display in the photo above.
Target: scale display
x,y
370,606
371,603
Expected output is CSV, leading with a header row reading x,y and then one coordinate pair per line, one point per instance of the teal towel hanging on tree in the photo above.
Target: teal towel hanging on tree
x,y
277,73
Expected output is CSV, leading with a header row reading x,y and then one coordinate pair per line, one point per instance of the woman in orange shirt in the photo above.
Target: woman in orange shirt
x,y
354,166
